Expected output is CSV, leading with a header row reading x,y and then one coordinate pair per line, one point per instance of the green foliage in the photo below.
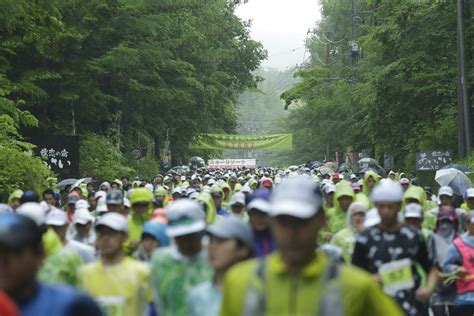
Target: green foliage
x,y
20,171
101,160
400,97
127,68
147,168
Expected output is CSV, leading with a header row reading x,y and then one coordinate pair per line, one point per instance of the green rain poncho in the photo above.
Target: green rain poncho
x,y
417,193
337,217
206,199
345,238
162,193
226,198
366,192
136,221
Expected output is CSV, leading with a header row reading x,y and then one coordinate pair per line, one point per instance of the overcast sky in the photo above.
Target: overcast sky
x,y
281,26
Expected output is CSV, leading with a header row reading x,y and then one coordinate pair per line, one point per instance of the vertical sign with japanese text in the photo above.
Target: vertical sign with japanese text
x,y
60,154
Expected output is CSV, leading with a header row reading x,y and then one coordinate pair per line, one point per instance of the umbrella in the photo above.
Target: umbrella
x,y
331,165
370,161
63,184
325,170
83,180
455,179
458,167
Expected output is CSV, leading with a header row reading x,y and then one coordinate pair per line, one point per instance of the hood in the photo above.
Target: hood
x,y
225,185
206,199
161,192
367,175
142,195
17,194
343,188
354,208
417,193
105,184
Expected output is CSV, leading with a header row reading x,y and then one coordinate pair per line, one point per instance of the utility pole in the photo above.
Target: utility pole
x,y
464,110
354,51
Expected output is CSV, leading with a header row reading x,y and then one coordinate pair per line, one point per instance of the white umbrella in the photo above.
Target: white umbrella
x,y
455,179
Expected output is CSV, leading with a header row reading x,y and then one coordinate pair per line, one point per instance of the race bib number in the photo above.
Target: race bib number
x,y
397,276
112,305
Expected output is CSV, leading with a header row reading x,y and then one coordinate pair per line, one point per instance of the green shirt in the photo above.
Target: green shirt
x,y
290,295
173,276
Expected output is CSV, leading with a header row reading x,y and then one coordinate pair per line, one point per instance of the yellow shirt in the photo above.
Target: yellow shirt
x,y
297,295
121,290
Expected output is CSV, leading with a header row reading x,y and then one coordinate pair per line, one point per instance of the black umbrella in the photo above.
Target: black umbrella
x,y
63,184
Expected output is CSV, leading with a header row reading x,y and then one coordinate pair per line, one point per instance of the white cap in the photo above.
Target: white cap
x,y
82,204
56,217
372,218
183,178
34,211
114,221
102,205
237,198
149,186
404,181
100,194
211,182
298,197
353,176
470,193
185,217
330,188
82,216
260,205
176,190
445,191
413,210
387,191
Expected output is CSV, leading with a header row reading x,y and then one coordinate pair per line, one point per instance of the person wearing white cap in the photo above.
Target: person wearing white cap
x,y
120,284
405,183
51,242
178,268
81,229
231,241
446,200
292,279
62,267
237,205
458,261
258,211
469,202
391,252
329,190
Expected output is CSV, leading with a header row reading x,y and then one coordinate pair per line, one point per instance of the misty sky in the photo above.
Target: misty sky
x,y
281,26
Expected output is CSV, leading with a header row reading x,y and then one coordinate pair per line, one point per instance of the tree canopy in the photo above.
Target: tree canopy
x,y
401,95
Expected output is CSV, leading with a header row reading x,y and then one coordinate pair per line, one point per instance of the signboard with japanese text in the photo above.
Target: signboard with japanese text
x,y
432,160
232,163
244,142
60,154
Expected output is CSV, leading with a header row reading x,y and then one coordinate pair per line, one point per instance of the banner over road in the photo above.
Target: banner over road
x,y
245,142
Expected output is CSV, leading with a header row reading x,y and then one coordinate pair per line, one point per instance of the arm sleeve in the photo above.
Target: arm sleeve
x,y
422,257
452,260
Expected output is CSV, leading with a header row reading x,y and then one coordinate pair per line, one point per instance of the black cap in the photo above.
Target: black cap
x,y
18,231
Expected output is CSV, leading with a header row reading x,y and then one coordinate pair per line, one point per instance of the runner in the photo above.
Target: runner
x,y
459,261
389,251
120,284
231,241
21,255
289,281
176,269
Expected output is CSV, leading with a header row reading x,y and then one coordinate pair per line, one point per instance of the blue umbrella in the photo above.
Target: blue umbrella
x,y
458,167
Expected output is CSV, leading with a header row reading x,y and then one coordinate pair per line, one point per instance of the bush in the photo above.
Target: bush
x,y
21,171
101,160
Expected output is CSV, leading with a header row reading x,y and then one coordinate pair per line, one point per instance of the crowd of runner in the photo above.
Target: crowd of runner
x,y
239,242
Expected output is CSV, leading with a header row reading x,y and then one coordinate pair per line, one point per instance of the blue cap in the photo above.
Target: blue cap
x,y
18,231
158,231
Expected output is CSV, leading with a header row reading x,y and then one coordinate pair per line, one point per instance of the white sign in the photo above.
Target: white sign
x,y
232,163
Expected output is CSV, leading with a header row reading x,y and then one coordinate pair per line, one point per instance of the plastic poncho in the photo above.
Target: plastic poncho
x,y
211,212
417,193
345,239
337,217
136,221
365,189
17,194
226,198
161,192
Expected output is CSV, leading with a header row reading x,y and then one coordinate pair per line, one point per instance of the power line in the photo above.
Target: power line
x,y
287,52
